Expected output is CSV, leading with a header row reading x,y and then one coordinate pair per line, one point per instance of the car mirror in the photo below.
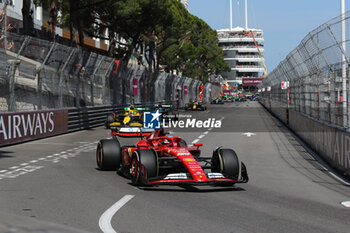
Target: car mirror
x,y
198,144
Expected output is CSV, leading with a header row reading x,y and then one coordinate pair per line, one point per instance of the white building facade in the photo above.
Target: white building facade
x,y
242,54
185,3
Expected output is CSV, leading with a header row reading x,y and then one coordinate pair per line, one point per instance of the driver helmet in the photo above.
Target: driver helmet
x,y
165,142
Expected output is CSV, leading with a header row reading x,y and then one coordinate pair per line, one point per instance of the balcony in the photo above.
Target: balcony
x,y
244,49
238,34
244,59
240,39
248,68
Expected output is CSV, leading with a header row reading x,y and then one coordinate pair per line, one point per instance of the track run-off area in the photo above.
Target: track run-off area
x,y
56,180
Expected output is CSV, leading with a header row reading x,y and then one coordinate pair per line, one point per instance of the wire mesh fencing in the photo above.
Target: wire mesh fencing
x,y
317,72
38,74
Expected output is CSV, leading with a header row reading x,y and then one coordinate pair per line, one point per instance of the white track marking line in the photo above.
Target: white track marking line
x,y
23,168
205,133
195,141
106,217
346,204
336,177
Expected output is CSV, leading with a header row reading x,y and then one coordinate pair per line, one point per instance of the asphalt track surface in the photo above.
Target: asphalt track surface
x,y
56,180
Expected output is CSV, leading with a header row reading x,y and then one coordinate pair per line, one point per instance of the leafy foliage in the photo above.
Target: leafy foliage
x,y
159,33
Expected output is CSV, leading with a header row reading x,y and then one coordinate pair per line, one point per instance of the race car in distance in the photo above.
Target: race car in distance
x,y
131,117
158,159
195,105
168,111
217,101
228,98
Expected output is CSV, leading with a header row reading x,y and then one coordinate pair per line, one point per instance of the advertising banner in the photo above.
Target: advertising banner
x,y
251,81
135,83
25,126
284,85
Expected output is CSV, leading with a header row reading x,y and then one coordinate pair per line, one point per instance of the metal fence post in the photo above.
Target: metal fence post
x,y
93,79
39,78
61,79
12,67
5,25
105,76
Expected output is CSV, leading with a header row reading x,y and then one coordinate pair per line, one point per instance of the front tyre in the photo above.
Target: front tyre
x,y
108,155
226,161
144,165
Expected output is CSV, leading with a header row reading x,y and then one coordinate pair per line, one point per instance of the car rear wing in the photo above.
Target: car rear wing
x,y
138,109
131,132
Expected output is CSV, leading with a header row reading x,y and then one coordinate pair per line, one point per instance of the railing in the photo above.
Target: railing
x,y
247,56
37,74
223,35
318,74
90,117
248,66
241,46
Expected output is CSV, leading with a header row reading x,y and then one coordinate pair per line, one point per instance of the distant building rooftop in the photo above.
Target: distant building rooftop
x,y
238,29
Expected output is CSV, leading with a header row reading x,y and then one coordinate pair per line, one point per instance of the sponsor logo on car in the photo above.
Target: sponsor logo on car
x,y
215,175
189,159
176,176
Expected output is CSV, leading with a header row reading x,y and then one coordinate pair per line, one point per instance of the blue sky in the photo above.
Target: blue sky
x,y
284,22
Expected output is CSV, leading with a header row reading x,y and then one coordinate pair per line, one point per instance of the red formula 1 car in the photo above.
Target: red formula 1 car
x,y
167,160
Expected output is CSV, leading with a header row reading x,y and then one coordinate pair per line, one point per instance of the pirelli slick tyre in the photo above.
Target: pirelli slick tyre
x,y
109,120
108,155
226,161
144,165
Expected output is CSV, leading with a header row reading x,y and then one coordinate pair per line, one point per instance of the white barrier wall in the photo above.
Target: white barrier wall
x,y
330,142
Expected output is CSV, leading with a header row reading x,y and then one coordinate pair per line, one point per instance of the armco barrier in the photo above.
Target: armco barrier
x,y
330,142
26,126
90,117
280,111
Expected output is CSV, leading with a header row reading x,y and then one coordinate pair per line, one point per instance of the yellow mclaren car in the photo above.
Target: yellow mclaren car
x,y
131,117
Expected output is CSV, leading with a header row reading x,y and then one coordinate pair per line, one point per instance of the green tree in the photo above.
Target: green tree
x,y
161,32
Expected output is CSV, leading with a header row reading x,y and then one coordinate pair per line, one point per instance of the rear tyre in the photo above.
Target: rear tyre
x,y
108,155
225,161
144,165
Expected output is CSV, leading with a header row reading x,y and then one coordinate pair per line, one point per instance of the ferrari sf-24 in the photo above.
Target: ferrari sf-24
x,y
158,159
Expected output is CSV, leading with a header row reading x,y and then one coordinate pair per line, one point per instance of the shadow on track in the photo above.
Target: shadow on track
x,y
4,154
